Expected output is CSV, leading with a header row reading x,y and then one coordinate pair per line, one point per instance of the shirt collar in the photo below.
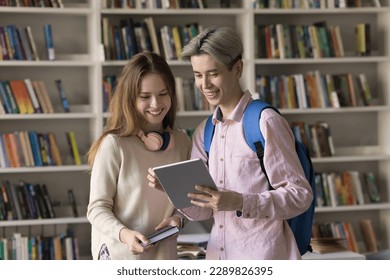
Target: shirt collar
x,y
238,111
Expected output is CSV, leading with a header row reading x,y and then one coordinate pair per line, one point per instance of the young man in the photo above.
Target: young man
x,y
249,218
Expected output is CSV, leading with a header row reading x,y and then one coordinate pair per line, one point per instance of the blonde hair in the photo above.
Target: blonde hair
x,y
124,119
221,43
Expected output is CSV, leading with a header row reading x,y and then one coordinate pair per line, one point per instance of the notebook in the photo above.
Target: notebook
x,y
162,234
178,179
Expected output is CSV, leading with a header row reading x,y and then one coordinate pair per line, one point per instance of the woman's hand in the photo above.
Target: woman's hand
x,y
153,181
135,241
218,200
174,220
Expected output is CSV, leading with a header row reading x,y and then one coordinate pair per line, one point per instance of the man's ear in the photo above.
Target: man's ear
x,y
238,68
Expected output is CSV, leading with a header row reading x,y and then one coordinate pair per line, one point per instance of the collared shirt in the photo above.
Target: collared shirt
x,y
261,232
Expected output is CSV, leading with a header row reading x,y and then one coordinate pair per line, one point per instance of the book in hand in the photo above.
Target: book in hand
x,y
161,234
180,178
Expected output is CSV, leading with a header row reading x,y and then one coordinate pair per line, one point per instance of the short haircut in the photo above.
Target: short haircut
x,y
222,43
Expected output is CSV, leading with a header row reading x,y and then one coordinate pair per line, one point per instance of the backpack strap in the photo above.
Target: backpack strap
x,y
208,134
252,132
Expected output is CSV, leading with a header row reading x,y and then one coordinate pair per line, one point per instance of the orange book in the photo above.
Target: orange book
x,y
15,150
9,151
54,149
22,96
350,236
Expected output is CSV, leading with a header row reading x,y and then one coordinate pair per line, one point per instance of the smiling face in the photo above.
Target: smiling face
x,y
216,82
153,102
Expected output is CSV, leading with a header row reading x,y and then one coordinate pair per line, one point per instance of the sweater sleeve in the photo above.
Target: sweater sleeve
x,y
103,186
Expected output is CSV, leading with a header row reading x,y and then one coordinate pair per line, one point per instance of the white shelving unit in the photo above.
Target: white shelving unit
x,y
361,134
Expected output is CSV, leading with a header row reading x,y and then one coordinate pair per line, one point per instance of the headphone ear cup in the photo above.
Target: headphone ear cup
x,y
152,140
168,142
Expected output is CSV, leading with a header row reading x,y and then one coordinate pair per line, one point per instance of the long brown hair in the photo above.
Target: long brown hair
x,y
124,118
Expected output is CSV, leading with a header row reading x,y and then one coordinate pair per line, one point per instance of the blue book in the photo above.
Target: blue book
x,y
4,99
10,97
49,41
64,100
19,55
33,136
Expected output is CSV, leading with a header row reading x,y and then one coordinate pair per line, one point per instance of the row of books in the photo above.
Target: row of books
x,y
299,41
189,98
58,247
25,201
24,97
315,90
339,236
17,43
33,3
28,149
122,41
316,137
346,188
29,97
314,4
32,149
165,4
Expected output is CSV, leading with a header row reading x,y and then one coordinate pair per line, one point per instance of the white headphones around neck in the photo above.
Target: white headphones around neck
x,y
156,141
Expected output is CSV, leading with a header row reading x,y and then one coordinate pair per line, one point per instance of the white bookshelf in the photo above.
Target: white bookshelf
x,y
361,134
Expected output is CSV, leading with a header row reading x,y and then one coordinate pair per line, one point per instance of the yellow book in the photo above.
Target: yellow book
x,y
360,39
176,40
73,147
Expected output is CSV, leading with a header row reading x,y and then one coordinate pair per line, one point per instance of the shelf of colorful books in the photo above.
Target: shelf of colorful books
x,y
348,58
47,11
53,221
45,169
156,12
69,61
351,158
346,208
331,11
41,116
359,109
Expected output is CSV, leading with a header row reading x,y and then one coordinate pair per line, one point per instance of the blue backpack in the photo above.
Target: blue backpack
x,y
301,225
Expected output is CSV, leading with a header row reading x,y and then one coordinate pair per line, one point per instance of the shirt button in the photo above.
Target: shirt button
x,y
221,181
223,136
221,159
266,217
220,226
222,249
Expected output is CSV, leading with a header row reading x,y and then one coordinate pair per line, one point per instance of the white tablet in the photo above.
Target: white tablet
x,y
178,179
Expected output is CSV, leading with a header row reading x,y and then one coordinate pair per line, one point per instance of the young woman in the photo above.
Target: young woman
x,y
139,134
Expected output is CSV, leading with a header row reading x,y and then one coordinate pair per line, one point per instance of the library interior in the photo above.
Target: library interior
x,y
324,64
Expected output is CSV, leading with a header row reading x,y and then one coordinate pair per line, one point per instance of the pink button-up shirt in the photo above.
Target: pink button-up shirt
x,y
261,232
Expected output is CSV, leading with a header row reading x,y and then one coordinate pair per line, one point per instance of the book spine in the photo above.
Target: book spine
x,y
49,42
73,147
64,100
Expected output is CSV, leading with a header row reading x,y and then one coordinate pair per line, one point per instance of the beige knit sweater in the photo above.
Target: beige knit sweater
x,y
120,195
